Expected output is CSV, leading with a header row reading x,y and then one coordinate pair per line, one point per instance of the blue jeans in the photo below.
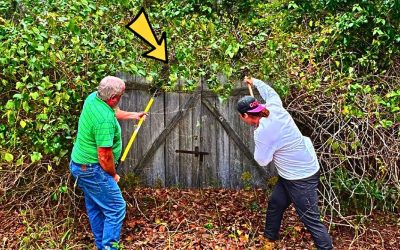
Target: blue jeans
x,y
303,194
105,205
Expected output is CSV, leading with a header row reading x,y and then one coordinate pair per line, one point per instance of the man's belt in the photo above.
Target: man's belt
x,y
85,166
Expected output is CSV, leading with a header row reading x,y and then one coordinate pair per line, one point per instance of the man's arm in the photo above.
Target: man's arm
x,y
106,160
263,154
125,115
267,93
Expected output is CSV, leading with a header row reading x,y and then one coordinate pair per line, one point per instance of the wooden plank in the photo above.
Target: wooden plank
x,y
223,154
172,109
157,164
196,161
236,155
209,141
185,143
143,139
208,169
233,135
222,146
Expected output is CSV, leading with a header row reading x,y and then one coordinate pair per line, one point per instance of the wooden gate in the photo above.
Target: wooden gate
x,y
190,139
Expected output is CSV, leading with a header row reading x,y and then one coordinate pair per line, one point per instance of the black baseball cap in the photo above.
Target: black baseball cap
x,y
249,104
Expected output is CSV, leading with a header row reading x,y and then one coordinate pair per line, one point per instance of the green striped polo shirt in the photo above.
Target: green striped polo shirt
x,y
97,127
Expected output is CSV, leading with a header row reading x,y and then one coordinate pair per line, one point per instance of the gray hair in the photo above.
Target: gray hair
x,y
110,86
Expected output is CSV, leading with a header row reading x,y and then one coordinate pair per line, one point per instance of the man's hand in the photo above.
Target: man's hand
x,y
141,114
116,178
248,80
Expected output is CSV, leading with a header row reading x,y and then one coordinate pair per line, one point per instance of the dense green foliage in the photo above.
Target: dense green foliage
x,y
53,53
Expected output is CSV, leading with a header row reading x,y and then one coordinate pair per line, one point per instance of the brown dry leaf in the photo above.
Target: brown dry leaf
x,y
20,230
131,224
244,238
129,238
220,236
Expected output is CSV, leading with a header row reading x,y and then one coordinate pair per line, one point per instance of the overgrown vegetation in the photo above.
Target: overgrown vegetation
x,y
335,62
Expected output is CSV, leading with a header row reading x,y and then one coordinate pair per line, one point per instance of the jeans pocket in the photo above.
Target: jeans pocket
x,y
88,178
74,169
112,185
89,185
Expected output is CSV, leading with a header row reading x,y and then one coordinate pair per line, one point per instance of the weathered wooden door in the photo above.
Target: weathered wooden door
x,y
190,140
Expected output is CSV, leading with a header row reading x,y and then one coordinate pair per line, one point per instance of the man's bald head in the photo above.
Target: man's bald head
x,y
110,86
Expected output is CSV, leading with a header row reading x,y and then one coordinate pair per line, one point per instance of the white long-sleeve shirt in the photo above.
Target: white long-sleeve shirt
x,y
278,139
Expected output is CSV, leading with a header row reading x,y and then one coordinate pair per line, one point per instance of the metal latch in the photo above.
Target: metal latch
x,y
196,152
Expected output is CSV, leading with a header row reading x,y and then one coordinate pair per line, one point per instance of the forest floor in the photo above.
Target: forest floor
x,y
192,219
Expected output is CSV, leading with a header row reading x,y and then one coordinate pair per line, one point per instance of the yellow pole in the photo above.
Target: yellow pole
x,y
136,130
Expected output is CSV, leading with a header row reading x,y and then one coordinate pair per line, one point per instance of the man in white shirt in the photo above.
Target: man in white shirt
x,y
278,139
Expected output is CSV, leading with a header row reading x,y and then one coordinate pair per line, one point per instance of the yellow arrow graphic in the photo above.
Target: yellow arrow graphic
x,y
141,27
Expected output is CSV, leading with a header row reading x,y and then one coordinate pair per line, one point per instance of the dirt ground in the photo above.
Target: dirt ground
x,y
196,219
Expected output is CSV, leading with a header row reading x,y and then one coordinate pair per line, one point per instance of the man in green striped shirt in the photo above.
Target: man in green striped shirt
x,y
94,156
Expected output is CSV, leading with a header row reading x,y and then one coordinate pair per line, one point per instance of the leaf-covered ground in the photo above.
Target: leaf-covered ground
x,y
201,219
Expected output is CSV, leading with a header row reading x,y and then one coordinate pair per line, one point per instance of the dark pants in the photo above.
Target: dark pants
x,y
303,194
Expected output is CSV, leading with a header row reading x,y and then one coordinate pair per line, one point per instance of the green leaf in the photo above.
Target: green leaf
x,y
19,85
54,196
17,96
335,145
10,105
63,189
46,101
34,95
8,157
22,123
24,78
75,40
36,156
292,5
20,161
10,116
40,48
25,106
42,117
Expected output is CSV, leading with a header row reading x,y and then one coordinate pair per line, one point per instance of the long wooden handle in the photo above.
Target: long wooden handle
x,y
250,89
133,137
